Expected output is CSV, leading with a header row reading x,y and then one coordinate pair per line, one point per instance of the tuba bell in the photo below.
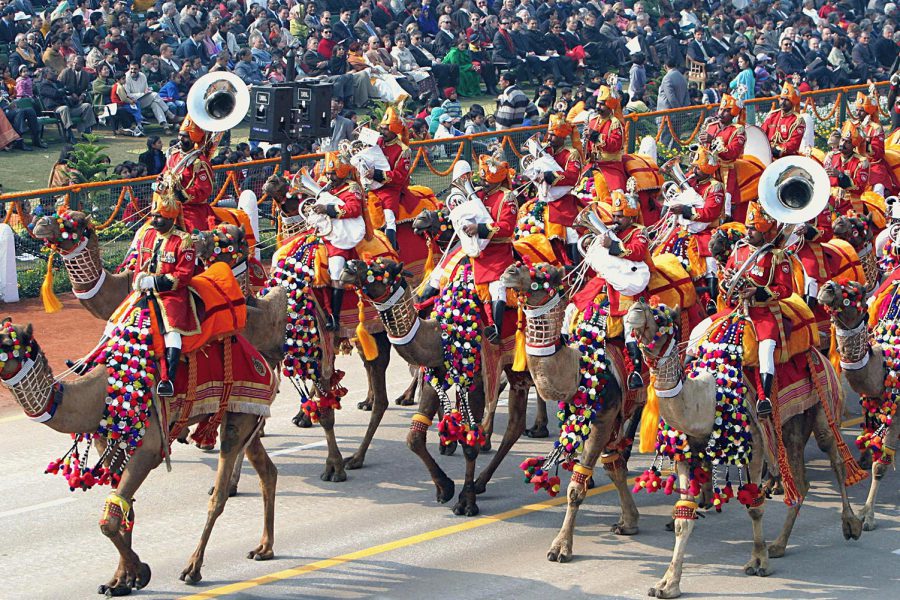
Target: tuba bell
x,y
794,189
218,101
676,190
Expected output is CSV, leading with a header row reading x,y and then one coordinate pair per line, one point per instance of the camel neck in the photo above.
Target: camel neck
x,y
85,268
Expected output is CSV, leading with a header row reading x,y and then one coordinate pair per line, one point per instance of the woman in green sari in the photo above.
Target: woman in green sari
x,y
469,80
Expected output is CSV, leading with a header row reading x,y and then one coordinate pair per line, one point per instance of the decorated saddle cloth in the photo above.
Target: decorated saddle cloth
x,y
686,248
413,201
799,332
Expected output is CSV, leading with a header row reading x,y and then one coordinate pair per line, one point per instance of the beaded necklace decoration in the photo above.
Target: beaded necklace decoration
x,y
889,258
730,443
576,415
677,244
303,343
131,373
533,221
879,413
20,353
457,313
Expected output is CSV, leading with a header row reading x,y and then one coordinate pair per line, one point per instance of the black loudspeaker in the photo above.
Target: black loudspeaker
x,y
312,104
270,113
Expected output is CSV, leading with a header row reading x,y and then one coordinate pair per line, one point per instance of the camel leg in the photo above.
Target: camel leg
x,y
518,403
235,431
466,505
850,524
376,371
408,397
795,434
334,464
415,440
539,429
487,424
759,555
268,477
131,572
670,585
879,469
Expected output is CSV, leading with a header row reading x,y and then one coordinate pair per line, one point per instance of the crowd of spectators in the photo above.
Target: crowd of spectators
x,y
132,65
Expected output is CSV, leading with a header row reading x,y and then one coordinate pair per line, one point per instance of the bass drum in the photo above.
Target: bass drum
x,y
644,170
757,145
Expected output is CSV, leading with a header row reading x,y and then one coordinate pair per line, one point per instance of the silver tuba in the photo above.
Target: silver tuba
x,y
218,101
794,189
466,207
627,277
678,190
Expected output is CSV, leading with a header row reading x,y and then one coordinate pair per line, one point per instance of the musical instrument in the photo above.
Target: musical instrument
x,y
535,164
757,144
678,190
792,190
364,154
627,277
342,233
466,208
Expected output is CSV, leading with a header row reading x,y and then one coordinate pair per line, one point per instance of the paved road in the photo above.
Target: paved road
x,y
380,534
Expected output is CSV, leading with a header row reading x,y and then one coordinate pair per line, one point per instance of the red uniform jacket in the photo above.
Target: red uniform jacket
x,y
856,168
351,194
197,181
713,193
879,170
564,210
733,139
776,282
634,247
170,257
397,179
498,255
785,131
607,152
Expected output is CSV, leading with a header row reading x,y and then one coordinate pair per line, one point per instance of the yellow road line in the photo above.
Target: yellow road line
x,y
412,540
12,418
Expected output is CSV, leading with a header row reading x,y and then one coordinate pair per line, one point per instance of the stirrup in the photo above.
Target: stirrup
x,y
635,381
711,308
165,389
492,333
763,408
331,323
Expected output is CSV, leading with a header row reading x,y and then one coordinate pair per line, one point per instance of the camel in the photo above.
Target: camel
x,y
423,347
556,378
81,407
863,365
689,405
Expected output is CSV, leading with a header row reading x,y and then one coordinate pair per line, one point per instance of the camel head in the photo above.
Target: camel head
x,y
226,243
64,231
16,344
435,224
854,229
845,302
722,243
536,282
652,326
377,278
278,189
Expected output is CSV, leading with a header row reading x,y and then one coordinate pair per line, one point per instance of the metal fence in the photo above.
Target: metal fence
x,y
119,207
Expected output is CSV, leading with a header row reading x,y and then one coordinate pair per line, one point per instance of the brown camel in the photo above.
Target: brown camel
x,y
689,405
423,347
859,232
556,378
862,363
80,410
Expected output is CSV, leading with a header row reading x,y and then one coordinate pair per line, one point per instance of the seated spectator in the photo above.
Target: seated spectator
x,y
247,69
139,91
24,84
127,105
469,80
153,159
193,47
23,121
24,54
69,107
52,56
451,104
171,95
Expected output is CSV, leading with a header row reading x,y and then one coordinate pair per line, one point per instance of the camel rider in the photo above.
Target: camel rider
x,y
191,176
784,126
606,140
881,177
764,282
702,221
343,205
730,138
395,180
165,266
848,172
564,209
812,256
631,245
498,254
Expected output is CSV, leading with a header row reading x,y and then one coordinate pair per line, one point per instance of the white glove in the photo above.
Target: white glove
x,y
148,282
143,281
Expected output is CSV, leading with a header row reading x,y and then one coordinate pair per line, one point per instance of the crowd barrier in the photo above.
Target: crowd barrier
x,y
119,206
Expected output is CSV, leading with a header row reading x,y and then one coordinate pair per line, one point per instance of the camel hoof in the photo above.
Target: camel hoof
x,y
868,517
365,405
621,529
261,553
354,462
405,400
448,449
113,592
487,445
446,489
480,486
776,551
302,420
538,431
191,576
333,475
852,527
464,507
143,576
558,555
669,592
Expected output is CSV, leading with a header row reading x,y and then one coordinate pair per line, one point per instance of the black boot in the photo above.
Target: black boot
x,y
333,320
635,381
392,238
811,302
492,332
764,405
428,293
166,387
713,285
